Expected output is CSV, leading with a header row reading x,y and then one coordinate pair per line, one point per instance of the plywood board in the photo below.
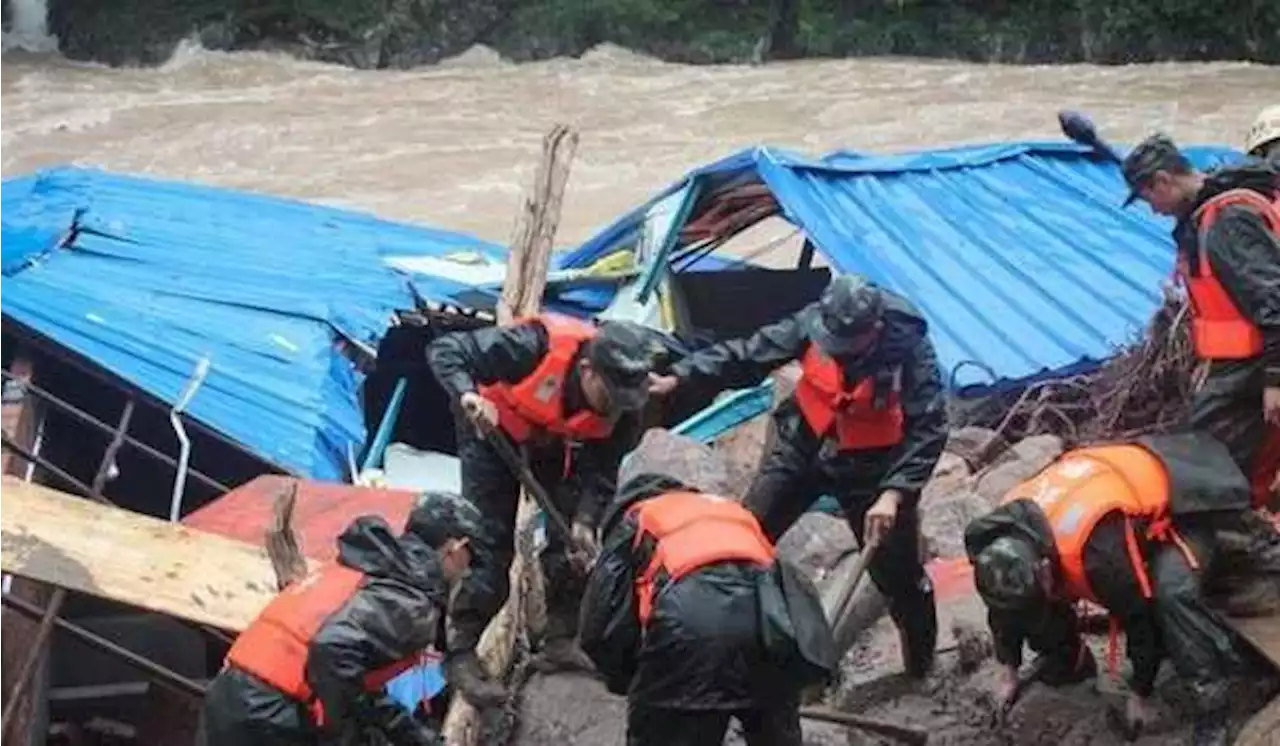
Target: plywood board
x,y
323,511
116,554
1262,633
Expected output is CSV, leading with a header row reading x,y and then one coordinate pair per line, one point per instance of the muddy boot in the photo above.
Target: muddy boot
x,y
465,674
562,654
917,621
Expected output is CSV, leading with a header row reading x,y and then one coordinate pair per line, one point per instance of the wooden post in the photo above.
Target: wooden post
x,y
521,295
21,413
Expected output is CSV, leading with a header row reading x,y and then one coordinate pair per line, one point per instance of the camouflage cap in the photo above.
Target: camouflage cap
x,y
1156,153
849,305
440,516
623,353
1005,573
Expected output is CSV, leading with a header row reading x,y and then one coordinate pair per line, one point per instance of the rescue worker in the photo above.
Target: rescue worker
x,y
311,669
692,616
866,424
569,393
1129,527
1263,138
1228,246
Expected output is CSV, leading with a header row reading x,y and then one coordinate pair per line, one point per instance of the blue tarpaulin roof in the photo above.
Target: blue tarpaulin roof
x,y
158,274
1020,255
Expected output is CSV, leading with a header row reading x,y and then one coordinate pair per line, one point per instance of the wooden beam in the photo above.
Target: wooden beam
x,y
521,296
19,421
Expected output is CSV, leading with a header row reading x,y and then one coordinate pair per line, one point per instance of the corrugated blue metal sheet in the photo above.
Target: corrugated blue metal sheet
x,y
159,274
1020,254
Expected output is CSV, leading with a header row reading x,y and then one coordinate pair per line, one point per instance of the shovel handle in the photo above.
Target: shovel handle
x,y
507,452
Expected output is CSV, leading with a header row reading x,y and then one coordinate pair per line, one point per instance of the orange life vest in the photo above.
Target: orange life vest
x,y
537,401
863,417
274,647
1075,492
691,530
1219,330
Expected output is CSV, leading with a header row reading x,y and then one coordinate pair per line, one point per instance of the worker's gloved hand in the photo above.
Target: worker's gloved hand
x,y
662,385
881,516
585,548
482,412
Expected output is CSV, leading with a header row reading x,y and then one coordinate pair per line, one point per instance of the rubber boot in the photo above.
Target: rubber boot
x,y
916,618
562,654
465,674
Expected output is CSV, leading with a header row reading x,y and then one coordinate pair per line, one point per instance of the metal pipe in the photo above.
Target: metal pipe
x,y
161,674
175,419
92,421
386,426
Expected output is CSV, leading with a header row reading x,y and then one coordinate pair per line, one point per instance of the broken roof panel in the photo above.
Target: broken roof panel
x,y
1020,255
157,275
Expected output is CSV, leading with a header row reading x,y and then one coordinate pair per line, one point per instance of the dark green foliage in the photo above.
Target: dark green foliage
x,y
398,33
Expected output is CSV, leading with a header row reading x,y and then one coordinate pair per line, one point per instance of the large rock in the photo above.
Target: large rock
x,y
664,452
978,446
744,446
1021,462
816,543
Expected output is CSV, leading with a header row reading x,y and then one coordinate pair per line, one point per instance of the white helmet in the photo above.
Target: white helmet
x,y
1265,130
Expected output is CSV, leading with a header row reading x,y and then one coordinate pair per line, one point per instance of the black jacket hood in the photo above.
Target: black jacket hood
x,y
370,546
640,488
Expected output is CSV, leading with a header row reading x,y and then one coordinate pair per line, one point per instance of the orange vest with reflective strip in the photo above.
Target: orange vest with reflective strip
x,y
274,647
536,403
691,530
862,421
1219,330
1075,492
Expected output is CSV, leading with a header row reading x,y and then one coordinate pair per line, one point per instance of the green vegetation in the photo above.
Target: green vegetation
x,y
398,33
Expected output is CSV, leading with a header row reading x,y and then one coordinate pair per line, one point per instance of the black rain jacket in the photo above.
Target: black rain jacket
x,y
463,361
905,342
393,615
703,648
1203,481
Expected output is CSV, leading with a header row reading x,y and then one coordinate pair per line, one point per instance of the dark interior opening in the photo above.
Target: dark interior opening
x,y
736,304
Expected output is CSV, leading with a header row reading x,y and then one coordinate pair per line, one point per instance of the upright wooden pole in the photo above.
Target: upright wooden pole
x,y
521,296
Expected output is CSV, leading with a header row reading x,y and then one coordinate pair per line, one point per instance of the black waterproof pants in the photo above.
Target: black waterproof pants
x,y
495,491
1228,406
791,478
240,710
764,726
1197,640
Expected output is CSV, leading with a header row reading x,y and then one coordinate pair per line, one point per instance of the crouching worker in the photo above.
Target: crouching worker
x,y
1128,527
691,615
311,669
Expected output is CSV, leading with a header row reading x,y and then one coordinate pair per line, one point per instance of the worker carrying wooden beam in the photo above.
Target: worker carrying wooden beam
x,y
313,666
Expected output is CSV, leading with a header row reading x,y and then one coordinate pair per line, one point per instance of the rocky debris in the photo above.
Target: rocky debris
x,y
744,446
1016,464
978,446
663,452
817,543
973,645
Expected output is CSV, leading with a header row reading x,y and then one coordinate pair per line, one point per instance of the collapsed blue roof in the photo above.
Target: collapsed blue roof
x,y
145,277
1020,255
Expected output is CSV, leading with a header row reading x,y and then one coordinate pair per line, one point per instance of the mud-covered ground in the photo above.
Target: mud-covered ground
x,y
955,705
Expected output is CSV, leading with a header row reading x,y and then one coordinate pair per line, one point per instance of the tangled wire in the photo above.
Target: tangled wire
x,y
1144,388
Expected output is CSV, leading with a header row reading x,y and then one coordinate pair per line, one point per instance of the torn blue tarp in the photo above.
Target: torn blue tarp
x,y
1020,255
157,275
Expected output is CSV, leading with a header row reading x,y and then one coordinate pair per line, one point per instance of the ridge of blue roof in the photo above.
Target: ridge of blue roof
x,y
1020,255
158,274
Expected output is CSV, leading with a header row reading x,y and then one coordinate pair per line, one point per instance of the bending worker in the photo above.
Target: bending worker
x,y
312,668
1228,244
1128,527
866,423
569,393
672,619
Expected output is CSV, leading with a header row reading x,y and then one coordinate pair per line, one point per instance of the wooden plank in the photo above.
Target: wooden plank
x,y
135,559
